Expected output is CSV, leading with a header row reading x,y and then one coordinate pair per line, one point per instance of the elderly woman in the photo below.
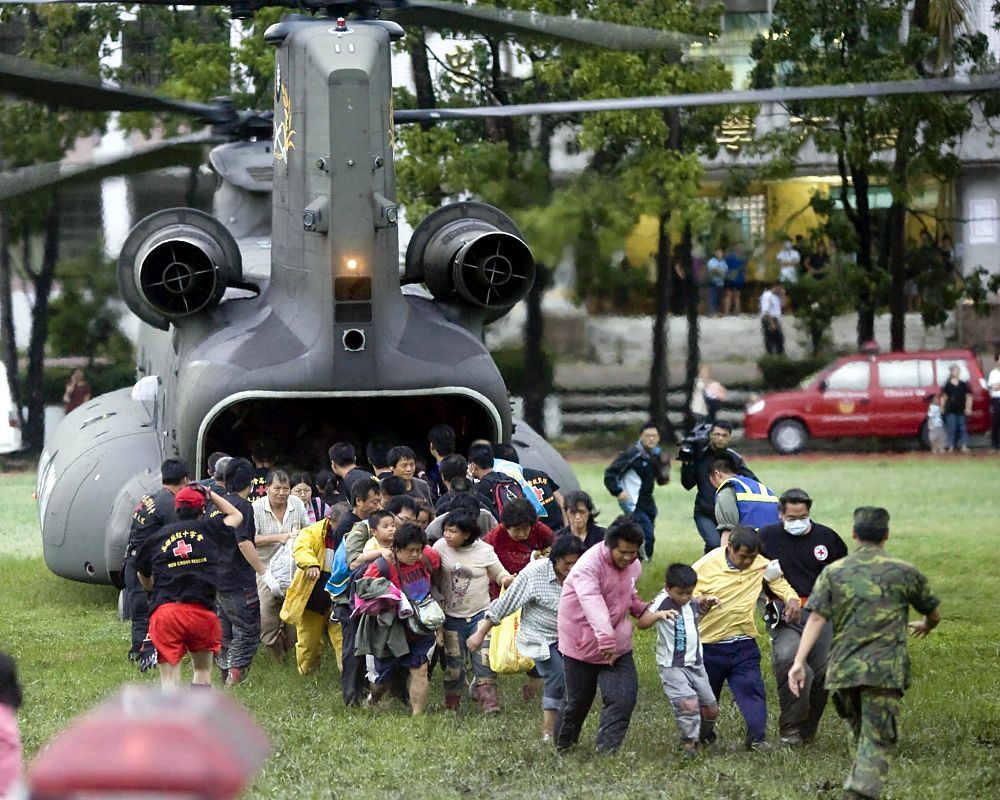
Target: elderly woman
x,y
595,635
579,511
536,591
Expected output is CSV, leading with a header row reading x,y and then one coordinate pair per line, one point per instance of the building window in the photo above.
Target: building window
x,y
751,214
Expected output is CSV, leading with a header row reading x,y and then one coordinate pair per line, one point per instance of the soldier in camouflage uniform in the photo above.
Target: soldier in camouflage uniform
x,y
867,595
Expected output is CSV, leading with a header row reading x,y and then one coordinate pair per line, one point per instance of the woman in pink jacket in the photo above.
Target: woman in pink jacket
x,y
595,635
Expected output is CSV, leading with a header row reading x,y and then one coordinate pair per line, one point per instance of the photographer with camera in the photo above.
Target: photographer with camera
x,y
700,447
631,477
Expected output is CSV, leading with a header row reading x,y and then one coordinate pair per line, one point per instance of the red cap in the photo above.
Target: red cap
x,y
189,497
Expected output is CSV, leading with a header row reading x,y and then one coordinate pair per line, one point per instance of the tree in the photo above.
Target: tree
x,y
897,142
638,164
654,155
183,53
69,36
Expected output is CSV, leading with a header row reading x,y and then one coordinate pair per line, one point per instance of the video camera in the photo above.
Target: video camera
x,y
694,443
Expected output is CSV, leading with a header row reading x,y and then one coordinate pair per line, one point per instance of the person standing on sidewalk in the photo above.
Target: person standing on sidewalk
x,y
867,597
994,383
956,403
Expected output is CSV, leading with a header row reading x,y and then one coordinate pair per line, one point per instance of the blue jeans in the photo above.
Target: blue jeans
x,y
707,530
714,298
456,631
738,663
239,613
647,521
958,436
554,690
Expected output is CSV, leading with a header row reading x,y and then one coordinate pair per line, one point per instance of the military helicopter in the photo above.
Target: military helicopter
x,y
312,335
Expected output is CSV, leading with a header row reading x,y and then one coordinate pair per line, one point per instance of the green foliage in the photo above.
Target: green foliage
x,y
70,649
817,301
896,142
781,372
636,169
510,362
82,321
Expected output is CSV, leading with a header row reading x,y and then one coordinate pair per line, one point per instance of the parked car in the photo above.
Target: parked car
x,y
10,431
885,395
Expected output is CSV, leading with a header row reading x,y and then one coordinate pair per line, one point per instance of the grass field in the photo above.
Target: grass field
x,y
70,648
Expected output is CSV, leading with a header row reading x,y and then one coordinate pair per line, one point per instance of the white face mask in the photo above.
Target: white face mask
x,y
797,527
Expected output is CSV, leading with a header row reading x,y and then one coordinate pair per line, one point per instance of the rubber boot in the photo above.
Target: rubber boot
x,y
532,689
488,698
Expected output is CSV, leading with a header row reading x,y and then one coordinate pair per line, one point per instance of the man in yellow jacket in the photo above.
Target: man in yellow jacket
x,y
307,604
736,574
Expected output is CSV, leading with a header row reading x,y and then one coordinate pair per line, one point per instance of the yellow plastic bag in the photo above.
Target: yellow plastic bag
x,y
504,656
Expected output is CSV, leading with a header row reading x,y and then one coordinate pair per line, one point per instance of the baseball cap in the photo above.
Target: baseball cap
x,y
189,497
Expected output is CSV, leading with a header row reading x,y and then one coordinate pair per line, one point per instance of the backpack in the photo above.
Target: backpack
x,y
342,577
504,491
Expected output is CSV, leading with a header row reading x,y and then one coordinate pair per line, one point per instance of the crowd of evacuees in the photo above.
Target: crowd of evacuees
x,y
406,570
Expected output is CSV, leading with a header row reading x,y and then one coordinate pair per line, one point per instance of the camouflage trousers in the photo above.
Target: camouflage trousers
x,y
871,713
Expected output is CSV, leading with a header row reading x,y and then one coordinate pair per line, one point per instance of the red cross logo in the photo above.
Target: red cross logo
x,y
820,552
183,549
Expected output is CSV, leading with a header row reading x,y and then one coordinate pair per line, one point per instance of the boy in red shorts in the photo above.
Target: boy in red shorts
x,y
179,566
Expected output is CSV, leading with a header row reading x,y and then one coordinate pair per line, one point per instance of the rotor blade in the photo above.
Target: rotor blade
x,y
179,150
785,94
444,14
59,87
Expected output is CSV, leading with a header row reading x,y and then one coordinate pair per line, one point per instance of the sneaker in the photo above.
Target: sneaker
x,y
792,739
452,702
546,738
759,747
690,749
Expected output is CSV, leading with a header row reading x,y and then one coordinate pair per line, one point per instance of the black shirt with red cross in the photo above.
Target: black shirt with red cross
x,y
802,558
183,560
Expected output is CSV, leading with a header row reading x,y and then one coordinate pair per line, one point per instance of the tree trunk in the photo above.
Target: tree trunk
x,y
417,45
34,429
863,226
7,335
536,376
659,370
693,343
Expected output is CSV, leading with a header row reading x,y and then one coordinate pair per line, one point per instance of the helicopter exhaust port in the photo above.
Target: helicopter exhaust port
x,y
176,263
473,252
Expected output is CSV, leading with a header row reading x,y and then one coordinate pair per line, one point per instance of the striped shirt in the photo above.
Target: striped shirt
x,y
677,640
268,524
535,591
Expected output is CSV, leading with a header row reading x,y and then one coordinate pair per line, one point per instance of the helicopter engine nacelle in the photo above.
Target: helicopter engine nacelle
x,y
472,252
176,263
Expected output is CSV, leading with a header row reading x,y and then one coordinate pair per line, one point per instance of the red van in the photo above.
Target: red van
x,y
884,394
